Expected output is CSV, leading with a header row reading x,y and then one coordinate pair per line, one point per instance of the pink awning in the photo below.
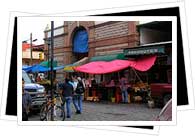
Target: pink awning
x,y
103,67
143,64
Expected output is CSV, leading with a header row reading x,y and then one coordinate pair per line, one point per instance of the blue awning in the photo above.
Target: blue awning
x,y
26,68
39,68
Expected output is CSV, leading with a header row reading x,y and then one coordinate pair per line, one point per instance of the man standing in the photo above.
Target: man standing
x,y
123,87
74,82
26,102
67,92
78,97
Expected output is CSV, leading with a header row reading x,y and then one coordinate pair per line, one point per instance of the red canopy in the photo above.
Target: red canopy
x,y
102,67
143,64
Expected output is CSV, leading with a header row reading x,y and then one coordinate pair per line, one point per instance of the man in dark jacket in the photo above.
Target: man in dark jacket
x,y
67,92
26,102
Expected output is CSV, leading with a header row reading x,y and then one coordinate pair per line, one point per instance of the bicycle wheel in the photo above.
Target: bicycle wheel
x,y
58,114
43,112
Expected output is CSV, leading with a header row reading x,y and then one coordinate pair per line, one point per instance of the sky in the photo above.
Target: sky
x,y
37,30
36,26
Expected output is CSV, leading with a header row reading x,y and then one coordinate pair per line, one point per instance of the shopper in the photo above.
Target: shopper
x,y
26,103
67,92
123,87
78,97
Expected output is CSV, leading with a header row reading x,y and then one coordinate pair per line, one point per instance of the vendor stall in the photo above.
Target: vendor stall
x,y
113,88
161,72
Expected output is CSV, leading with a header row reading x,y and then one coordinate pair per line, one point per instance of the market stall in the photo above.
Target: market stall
x,y
115,66
38,69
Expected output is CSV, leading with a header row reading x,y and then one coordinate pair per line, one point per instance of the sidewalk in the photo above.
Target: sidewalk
x,y
94,111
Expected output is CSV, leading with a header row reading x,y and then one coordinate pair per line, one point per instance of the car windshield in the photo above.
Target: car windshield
x,y
26,78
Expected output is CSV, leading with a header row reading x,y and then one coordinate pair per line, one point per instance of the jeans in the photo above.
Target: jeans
x,y
77,101
68,101
124,96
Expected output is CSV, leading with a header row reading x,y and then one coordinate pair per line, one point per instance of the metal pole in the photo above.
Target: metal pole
x,y
48,45
52,93
48,50
118,76
137,75
31,56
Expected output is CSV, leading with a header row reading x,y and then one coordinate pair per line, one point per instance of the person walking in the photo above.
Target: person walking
x,y
67,93
123,87
26,103
78,97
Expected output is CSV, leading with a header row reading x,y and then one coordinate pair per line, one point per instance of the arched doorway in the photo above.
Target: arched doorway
x,y
79,43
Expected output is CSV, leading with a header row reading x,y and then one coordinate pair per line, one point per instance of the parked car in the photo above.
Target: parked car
x,y
166,112
36,91
161,92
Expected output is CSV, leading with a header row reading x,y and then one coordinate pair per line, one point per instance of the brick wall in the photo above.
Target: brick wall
x,y
111,30
59,41
114,49
59,57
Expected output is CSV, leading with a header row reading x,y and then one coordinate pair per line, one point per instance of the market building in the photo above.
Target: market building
x,y
95,40
106,41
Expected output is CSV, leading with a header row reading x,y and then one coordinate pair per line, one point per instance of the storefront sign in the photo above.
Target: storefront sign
x,y
144,50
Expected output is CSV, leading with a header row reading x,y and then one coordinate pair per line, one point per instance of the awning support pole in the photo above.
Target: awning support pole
x,y
137,75
118,76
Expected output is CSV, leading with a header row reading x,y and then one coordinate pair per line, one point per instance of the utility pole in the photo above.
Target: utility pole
x,y
52,92
31,56
48,42
48,49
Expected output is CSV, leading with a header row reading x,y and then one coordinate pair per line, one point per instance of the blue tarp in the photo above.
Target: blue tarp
x,y
80,42
26,68
39,68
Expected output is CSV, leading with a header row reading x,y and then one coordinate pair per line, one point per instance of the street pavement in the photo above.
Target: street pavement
x,y
107,111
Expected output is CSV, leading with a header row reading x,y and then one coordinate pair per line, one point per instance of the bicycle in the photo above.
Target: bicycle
x,y
52,105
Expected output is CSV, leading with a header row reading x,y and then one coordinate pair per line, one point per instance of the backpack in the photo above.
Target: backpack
x,y
80,89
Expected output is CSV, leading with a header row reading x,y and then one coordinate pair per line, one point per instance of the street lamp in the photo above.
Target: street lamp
x,y
52,44
48,43
31,55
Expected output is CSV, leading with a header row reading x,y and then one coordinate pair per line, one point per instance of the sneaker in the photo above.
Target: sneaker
x,y
78,112
67,116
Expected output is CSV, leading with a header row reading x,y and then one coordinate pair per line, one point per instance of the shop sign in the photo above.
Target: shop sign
x,y
144,50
